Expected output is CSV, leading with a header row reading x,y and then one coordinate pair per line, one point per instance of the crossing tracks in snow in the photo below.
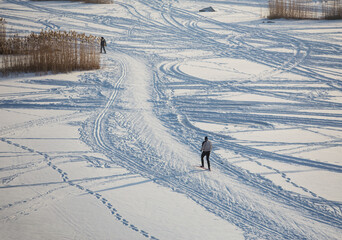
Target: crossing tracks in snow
x,y
180,75
98,122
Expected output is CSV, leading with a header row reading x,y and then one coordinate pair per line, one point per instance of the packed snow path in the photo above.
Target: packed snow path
x,y
269,100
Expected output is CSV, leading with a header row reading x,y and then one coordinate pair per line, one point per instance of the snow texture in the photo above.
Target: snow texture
x,y
114,153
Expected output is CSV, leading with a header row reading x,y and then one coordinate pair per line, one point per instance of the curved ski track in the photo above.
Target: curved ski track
x,y
151,166
182,31
99,120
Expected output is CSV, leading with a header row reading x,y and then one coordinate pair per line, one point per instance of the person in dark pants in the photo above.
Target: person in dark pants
x,y
206,148
103,44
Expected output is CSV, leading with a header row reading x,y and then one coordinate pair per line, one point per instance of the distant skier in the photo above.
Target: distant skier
x,y
206,148
103,44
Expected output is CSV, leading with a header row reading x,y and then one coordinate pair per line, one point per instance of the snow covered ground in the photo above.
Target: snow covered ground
x,y
112,154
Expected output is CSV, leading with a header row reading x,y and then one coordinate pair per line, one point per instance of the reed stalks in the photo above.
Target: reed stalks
x,y
2,35
48,51
332,10
305,9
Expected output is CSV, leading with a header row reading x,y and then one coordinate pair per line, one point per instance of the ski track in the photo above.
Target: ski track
x,y
64,175
181,30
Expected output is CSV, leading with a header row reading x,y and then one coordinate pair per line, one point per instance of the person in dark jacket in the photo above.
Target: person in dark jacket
x,y
103,44
206,148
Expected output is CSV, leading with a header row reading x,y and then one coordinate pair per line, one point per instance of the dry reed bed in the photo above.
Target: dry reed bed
x,y
48,51
305,9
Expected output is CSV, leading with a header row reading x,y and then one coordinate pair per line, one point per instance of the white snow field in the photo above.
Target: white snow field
x,y
113,153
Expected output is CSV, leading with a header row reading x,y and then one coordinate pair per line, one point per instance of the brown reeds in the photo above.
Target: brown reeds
x,y
2,35
332,10
294,9
305,9
48,51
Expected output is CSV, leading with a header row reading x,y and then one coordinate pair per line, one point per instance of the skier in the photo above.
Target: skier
x,y
103,44
206,148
